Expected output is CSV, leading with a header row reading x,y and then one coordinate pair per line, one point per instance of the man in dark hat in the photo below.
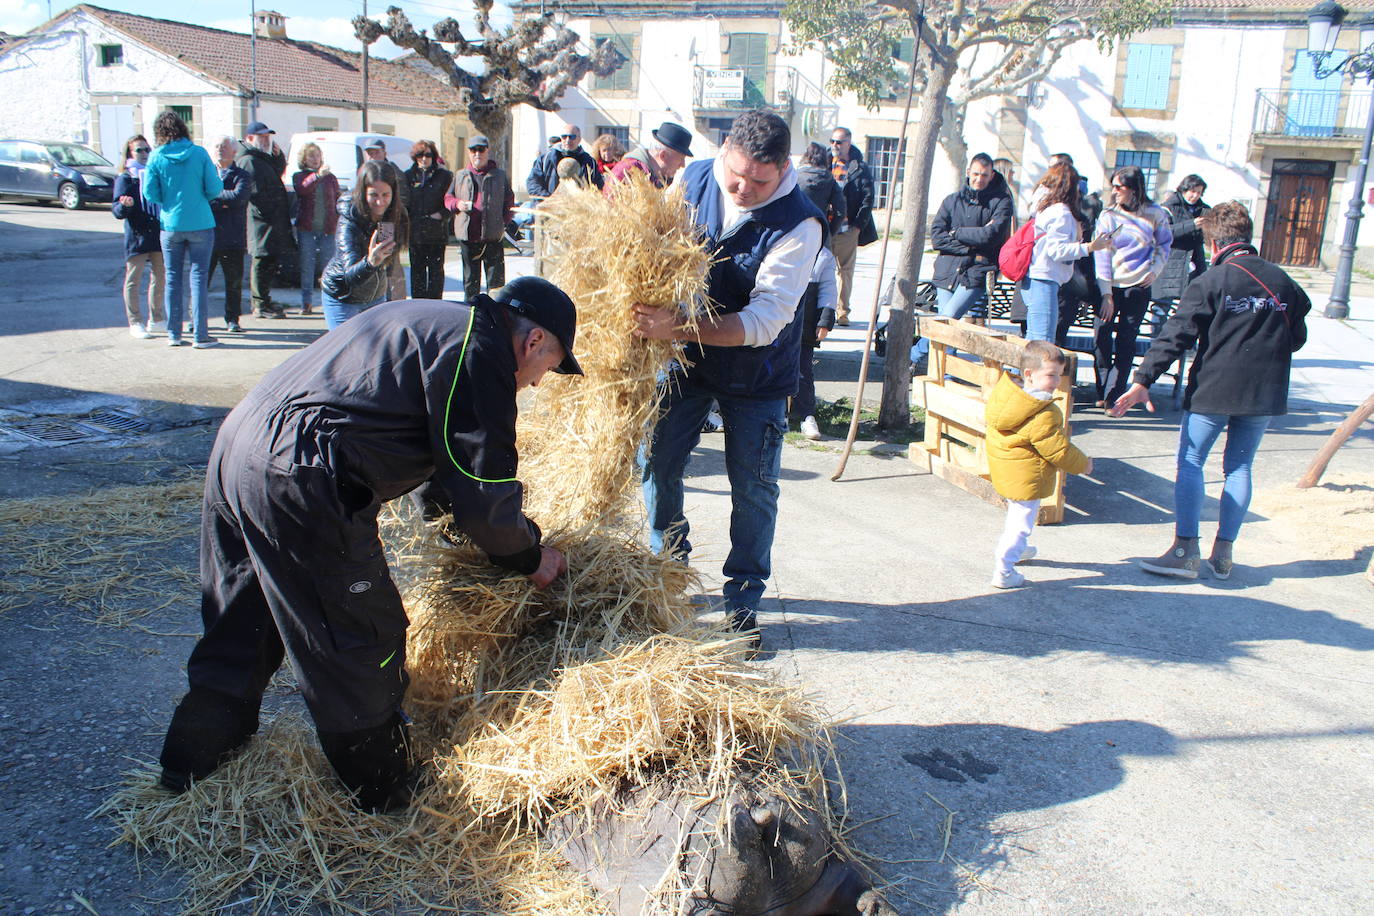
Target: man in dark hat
x,y
482,201
270,236
661,157
292,566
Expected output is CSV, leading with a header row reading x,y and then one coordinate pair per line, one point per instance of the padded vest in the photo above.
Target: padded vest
x,y
763,372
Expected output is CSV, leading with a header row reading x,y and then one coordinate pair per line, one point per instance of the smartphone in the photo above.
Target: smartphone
x,y
386,232
1118,228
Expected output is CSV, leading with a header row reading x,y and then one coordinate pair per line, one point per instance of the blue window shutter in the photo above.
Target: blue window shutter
x,y
1148,69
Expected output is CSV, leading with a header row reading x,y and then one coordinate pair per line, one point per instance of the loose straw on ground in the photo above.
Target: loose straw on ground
x,y
529,705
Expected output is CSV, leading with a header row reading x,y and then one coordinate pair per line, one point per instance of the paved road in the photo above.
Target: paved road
x,y
1107,742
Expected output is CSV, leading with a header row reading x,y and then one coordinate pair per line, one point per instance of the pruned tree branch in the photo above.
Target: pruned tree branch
x,y
533,62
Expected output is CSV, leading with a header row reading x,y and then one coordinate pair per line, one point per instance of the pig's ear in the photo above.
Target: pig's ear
x,y
763,815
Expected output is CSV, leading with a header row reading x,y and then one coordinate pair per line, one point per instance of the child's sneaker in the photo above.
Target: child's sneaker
x,y
1180,561
1009,579
1028,554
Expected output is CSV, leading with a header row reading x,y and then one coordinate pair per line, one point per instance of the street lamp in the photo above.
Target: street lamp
x,y
1323,28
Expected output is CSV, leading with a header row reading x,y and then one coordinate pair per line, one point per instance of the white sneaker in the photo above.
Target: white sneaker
x,y
1011,579
809,428
157,328
205,344
713,423
138,332
1027,554
175,342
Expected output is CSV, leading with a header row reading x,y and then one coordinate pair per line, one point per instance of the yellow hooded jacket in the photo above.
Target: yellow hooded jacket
x,y
1026,443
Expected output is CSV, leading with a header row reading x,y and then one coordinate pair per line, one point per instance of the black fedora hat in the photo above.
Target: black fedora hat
x,y
675,137
547,306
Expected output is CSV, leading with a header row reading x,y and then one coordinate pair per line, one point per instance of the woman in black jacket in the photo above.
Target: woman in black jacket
x,y
1247,317
426,184
142,240
816,182
367,250
1187,259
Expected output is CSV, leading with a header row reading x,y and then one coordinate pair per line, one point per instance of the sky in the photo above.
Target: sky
x,y
326,21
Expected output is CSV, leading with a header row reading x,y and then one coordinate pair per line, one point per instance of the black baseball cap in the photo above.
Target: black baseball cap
x,y
547,306
257,127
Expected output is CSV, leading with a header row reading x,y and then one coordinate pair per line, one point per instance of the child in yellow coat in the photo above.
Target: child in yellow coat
x,y
1026,447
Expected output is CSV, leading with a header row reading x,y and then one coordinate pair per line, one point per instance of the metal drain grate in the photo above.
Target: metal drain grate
x,y
116,421
51,430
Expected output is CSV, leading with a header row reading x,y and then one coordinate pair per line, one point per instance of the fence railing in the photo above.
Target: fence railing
x,y
1310,113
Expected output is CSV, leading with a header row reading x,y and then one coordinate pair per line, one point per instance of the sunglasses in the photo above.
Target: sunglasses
x,y
837,142
143,149
570,136
477,149
424,155
1120,187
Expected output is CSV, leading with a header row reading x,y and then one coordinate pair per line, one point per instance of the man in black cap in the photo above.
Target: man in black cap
x,y
292,565
661,157
269,214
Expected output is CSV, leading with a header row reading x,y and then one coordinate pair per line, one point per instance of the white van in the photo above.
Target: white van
x,y
343,151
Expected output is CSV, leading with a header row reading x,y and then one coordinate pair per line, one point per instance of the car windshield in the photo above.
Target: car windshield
x,y
73,155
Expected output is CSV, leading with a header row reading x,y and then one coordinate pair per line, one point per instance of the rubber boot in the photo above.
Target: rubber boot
x,y
376,764
1220,561
1180,561
208,728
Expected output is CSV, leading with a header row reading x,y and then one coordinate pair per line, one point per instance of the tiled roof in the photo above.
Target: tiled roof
x,y
287,68
1193,10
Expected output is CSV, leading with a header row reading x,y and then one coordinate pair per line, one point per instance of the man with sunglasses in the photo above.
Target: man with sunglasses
x,y
543,177
481,199
852,174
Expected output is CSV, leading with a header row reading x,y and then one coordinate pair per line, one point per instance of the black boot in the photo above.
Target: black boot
x,y
376,764
207,729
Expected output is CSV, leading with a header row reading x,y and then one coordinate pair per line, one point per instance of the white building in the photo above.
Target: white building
x,y
1227,92
96,76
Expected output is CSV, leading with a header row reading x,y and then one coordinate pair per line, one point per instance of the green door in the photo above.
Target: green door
x,y
749,52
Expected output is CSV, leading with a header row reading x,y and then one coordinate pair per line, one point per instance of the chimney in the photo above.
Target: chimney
x,y
269,24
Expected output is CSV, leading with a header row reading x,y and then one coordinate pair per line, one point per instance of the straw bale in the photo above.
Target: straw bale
x,y
638,245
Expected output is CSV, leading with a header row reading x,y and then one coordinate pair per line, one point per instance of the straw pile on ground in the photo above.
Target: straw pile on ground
x,y
528,704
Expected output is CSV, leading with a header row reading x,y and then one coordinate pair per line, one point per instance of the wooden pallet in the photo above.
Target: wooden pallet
x,y
955,394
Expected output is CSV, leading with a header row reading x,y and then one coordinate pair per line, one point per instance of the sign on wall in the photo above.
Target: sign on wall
x,y
722,85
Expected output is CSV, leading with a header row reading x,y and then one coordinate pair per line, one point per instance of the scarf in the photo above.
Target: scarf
x,y
136,168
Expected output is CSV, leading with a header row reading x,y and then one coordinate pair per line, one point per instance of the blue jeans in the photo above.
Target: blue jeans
x,y
1196,437
336,312
317,248
753,460
1042,308
953,303
177,248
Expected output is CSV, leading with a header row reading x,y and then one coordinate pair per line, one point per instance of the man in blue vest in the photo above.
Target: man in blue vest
x,y
764,234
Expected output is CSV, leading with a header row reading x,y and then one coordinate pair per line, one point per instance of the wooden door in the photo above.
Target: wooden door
x,y
1295,218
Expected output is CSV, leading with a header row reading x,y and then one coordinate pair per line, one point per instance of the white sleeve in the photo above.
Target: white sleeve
x,y
780,283
1061,236
828,294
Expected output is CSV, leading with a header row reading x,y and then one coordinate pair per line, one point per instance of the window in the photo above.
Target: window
x,y
1148,69
620,133
186,113
905,49
387,129
1148,162
749,52
719,128
622,80
887,171
110,55
314,123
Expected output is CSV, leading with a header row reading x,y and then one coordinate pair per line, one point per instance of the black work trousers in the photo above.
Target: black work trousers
x,y
263,272
292,566
427,271
230,264
488,256
1114,349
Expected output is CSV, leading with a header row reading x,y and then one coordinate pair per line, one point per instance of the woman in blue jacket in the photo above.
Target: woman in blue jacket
x,y
142,242
182,180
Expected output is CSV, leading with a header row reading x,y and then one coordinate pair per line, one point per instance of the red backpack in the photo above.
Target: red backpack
x,y
1014,259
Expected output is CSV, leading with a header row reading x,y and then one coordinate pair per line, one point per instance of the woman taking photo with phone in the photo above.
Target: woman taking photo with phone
x,y
1057,247
1141,239
367,249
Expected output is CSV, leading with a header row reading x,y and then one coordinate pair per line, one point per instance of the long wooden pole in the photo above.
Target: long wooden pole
x,y
878,288
1336,440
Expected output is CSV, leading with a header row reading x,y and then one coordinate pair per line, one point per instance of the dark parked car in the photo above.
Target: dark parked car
x,y
65,172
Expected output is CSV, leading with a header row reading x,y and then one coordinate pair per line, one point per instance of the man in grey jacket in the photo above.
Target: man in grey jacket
x,y
481,199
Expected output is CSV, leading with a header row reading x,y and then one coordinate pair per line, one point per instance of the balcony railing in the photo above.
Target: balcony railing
x,y
783,89
1311,113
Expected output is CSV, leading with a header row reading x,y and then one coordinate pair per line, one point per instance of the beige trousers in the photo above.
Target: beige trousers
x,y
845,247
133,272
